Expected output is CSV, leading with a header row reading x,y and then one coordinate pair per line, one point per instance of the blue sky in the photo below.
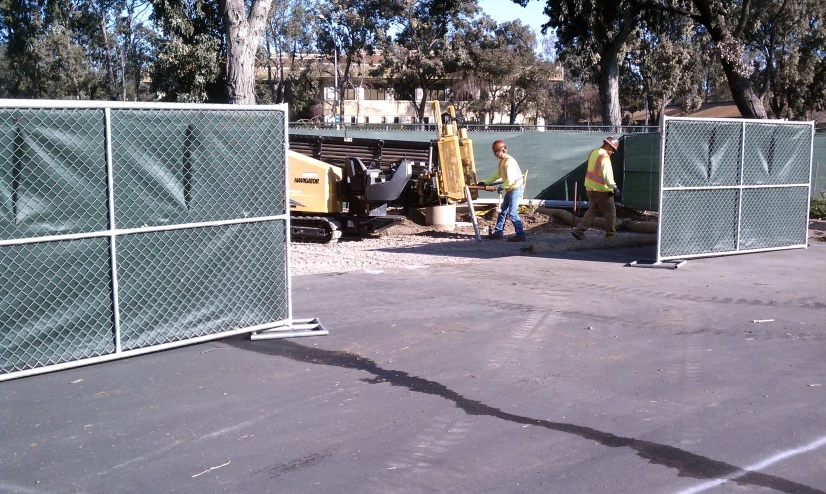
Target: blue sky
x,y
506,10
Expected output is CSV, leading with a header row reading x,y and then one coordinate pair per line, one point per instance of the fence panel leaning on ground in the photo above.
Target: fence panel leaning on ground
x,y
133,228
733,186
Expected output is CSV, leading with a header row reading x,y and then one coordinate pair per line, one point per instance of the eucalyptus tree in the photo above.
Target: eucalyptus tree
x,y
137,41
353,29
43,51
21,21
491,68
787,46
191,61
541,84
592,37
287,39
516,45
669,59
430,46
206,42
244,27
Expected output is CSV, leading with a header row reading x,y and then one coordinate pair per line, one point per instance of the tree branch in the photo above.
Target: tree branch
x,y
744,15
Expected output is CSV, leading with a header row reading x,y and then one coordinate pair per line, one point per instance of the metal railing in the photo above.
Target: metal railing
x,y
430,127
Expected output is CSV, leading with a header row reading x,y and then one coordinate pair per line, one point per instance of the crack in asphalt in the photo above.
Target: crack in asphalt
x,y
686,463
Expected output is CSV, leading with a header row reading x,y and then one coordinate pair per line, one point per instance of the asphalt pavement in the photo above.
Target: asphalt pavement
x,y
562,373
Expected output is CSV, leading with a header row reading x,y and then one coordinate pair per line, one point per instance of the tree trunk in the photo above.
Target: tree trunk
x,y
609,91
243,36
744,96
512,119
746,100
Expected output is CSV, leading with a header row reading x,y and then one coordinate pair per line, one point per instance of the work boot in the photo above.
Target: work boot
x,y
493,236
518,238
578,235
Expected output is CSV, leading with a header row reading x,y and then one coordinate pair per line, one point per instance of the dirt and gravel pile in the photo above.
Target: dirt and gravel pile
x,y
412,245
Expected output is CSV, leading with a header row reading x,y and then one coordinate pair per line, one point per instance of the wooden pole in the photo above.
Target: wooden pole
x,y
576,197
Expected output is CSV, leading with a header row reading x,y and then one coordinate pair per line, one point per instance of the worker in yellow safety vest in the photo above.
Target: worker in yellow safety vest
x,y
513,183
601,189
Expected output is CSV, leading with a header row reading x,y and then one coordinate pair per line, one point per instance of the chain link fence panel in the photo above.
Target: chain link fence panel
x,y
132,228
731,186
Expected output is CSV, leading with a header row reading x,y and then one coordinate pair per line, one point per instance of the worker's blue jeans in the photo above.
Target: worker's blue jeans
x,y
510,208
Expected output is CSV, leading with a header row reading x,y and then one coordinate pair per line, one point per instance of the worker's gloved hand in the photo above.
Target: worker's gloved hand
x,y
481,184
617,195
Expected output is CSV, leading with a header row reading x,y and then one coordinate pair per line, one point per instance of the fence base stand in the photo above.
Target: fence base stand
x,y
300,327
650,263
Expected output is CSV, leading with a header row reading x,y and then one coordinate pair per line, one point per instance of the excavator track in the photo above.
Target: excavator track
x,y
314,229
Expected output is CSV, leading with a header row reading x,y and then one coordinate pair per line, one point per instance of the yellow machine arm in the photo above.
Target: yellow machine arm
x,y
458,167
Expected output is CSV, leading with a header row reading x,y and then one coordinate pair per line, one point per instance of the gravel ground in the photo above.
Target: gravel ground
x,y
410,245
406,250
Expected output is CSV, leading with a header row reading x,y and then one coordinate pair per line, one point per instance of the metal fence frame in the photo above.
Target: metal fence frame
x,y
112,233
740,187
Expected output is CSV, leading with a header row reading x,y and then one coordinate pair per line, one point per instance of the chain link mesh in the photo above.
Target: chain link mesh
x,y
777,154
774,217
53,180
202,168
702,154
190,166
55,303
182,284
733,186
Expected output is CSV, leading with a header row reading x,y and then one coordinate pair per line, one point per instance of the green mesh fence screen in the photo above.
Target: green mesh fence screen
x,y
554,160
180,235
733,186
819,166
641,187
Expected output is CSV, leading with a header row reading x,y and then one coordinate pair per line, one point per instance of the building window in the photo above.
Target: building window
x,y
462,95
426,120
384,120
437,92
349,94
404,95
353,119
396,120
375,94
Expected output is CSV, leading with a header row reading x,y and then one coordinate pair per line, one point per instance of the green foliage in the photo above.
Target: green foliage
x,y
817,208
354,29
430,46
59,49
531,208
191,63
506,67
189,72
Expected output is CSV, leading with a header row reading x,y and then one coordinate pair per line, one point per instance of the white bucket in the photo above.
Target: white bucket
x,y
442,218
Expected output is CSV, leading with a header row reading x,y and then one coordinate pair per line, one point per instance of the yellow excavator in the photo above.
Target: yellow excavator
x,y
345,185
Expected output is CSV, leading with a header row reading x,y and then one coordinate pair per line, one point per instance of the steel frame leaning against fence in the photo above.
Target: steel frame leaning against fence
x,y
132,228
731,186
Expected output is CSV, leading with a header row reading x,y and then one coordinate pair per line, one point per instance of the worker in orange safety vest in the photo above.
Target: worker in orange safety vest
x,y
601,189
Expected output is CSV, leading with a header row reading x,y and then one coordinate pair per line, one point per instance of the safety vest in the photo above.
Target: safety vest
x,y
598,164
512,176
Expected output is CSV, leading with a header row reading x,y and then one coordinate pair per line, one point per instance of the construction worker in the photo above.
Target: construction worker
x,y
513,185
601,189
